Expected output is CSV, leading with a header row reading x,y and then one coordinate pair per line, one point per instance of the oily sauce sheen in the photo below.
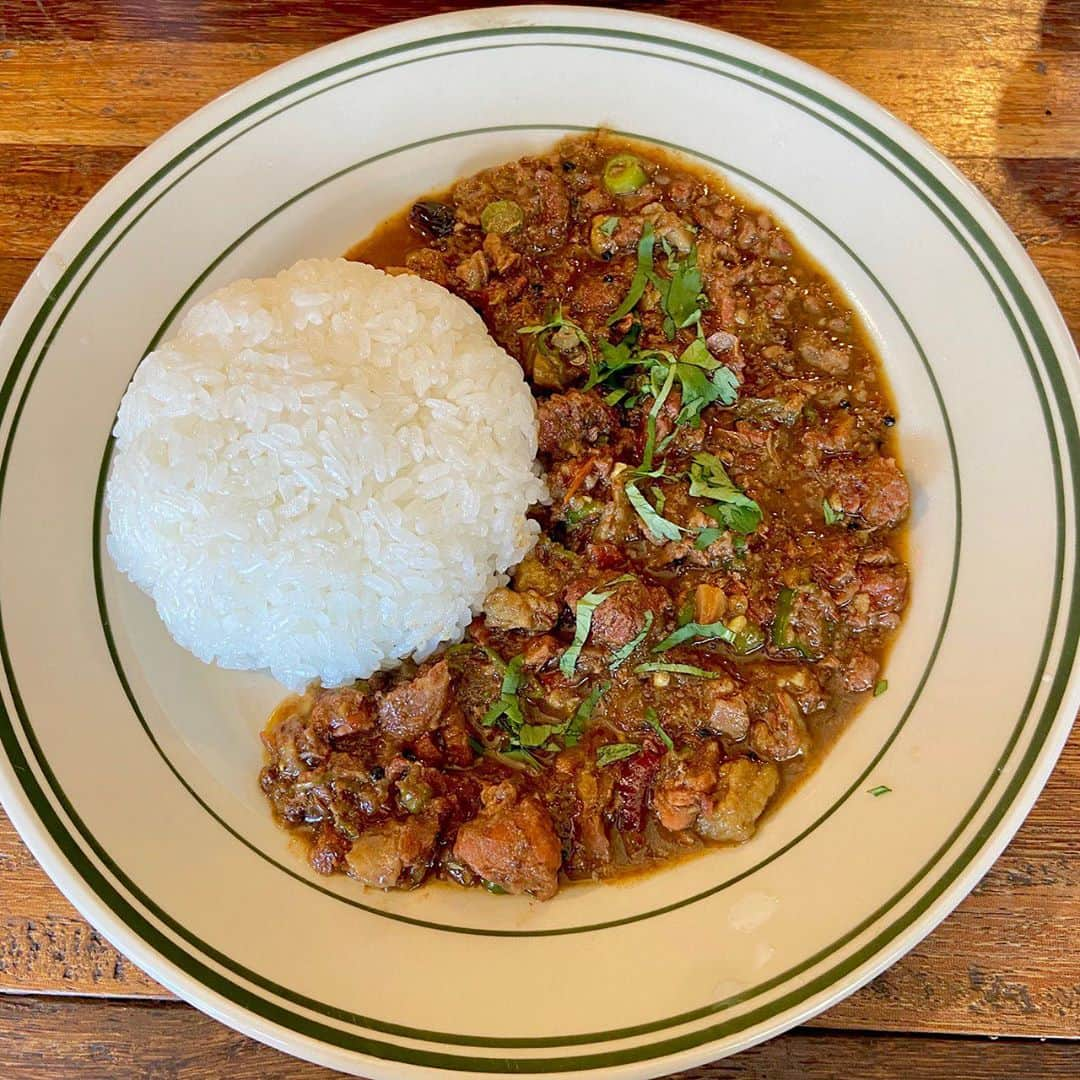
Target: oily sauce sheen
x,y
720,570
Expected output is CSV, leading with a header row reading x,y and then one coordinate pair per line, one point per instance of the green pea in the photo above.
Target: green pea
x,y
501,217
624,174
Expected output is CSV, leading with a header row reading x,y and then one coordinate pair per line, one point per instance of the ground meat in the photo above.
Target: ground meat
x,y
572,422
512,844
874,489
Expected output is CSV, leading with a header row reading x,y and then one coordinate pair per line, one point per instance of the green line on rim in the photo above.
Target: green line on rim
x,y
696,1038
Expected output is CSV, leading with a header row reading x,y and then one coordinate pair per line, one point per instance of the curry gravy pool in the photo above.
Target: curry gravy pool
x,y
720,570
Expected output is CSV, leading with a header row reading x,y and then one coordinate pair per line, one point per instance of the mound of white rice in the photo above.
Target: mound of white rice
x,y
323,472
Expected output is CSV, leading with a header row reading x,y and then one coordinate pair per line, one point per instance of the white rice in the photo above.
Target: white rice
x,y
323,472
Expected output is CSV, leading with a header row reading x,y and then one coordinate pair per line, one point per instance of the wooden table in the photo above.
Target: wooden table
x,y
995,84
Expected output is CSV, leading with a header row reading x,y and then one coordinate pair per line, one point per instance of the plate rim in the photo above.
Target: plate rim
x,y
512,20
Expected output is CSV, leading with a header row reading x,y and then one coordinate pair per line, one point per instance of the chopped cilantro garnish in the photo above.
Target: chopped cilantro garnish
x,y
734,509
653,721
831,514
615,359
609,225
677,669
641,274
880,687
680,293
707,537
506,709
623,653
881,789
609,753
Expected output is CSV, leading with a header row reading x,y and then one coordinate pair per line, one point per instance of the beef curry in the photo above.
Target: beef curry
x,y
720,568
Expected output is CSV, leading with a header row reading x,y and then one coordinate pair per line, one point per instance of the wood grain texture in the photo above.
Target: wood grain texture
x,y
995,84
45,1038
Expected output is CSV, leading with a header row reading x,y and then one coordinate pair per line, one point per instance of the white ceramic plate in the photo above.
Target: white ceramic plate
x,y
130,768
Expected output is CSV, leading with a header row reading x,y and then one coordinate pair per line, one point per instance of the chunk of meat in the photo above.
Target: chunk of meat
x,y
780,734
714,705
414,707
499,253
682,784
875,490
743,790
342,712
591,847
621,617
430,264
395,854
511,843
507,609
328,850
473,271
859,673
570,423
818,351
880,594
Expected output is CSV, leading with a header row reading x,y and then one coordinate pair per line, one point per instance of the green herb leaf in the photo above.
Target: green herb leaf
x,y
653,721
680,292
880,687
575,726
677,669
734,509
583,613
507,708
494,888
657,525
623,652
707,537
615,359
650,423
535,736
609,225
686,612
832,516
641,274
609,753
696,630
878,791
522,756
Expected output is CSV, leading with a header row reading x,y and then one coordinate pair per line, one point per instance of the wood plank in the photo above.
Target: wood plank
x,y
47,1037
973,100
1005,962
780,23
